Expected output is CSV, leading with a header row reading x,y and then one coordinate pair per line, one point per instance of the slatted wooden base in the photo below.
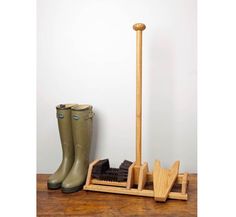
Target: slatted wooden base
x,y
162,179
133,191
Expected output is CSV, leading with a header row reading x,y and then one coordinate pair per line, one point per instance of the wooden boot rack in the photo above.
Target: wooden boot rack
x,y
140,182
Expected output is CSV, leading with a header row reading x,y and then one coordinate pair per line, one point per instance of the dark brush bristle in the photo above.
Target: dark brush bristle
x,y
102,171
100,167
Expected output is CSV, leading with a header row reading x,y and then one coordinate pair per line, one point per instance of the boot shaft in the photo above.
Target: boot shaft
x,y
65,131
65,128
81,117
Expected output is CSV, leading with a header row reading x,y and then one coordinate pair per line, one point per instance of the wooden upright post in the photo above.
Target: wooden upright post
x,y
139,27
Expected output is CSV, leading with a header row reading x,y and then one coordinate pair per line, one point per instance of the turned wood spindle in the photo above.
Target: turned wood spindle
x,y
139,27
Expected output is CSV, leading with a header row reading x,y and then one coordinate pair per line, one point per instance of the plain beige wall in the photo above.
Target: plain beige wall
x,y
86,54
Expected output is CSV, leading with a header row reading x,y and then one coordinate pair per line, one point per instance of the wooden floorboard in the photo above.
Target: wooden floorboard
x,y
85,203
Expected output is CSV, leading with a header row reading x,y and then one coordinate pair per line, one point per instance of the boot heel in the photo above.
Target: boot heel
x,y
53,186
71,190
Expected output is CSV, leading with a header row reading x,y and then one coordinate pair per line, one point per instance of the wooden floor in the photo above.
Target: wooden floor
x,y
84,203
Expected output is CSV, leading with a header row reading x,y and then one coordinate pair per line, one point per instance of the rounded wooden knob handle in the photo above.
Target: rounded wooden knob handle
x,y
139,26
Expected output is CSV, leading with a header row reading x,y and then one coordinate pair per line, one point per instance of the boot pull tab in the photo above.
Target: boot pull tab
x,y
60,115
91,115
76,117
62,106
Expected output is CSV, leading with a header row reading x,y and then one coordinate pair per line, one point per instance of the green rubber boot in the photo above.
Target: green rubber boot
x,y
82,134
65,130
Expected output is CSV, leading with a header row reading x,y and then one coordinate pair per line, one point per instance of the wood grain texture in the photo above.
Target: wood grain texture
x,y
163,180
90,169
139,27
85,203
142,176
111,183
179,178
133,191
184,183
130,178
136,174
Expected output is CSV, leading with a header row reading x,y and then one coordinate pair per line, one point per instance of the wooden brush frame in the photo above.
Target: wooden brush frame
x,y
139,177
140,188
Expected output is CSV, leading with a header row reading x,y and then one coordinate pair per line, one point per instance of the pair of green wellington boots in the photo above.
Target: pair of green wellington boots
x,y
75,128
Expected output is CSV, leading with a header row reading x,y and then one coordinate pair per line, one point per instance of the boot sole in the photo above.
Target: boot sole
x,y
54,186
72,190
